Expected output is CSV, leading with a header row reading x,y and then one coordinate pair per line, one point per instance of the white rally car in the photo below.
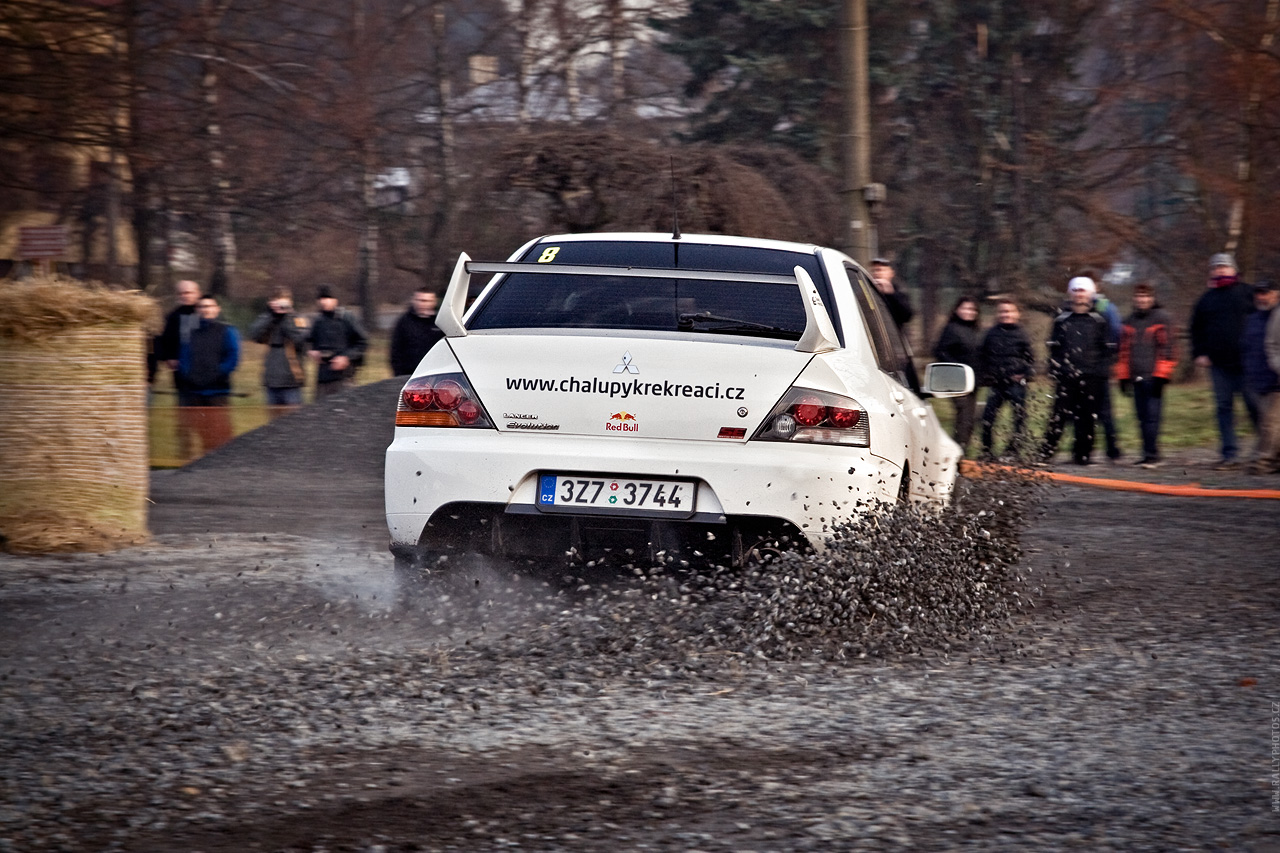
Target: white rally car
x,y
646,393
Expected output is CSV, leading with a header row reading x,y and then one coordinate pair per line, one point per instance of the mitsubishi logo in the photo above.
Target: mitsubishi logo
x,y
626,366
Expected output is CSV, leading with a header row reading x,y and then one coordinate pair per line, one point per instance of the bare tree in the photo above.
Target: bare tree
x,y
1184,140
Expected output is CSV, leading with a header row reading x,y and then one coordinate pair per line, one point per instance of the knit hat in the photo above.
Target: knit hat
x,y
1082,283
324,291
1222,259
1143,289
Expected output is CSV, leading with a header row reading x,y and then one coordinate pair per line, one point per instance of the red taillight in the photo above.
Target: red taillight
x,y
418,399
809,411
449,394
819,417
843,418
440,401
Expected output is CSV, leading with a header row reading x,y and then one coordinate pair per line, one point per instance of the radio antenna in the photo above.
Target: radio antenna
x,y
675,203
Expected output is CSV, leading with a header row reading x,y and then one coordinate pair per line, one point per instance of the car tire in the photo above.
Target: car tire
x,y
753,549
904,486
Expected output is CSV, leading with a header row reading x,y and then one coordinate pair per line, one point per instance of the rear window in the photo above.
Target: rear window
x,y
553,301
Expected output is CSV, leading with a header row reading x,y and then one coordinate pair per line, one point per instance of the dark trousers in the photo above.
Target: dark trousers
x,y
966,414
1077,399
1016,396
1226,385
1148,400
1108,421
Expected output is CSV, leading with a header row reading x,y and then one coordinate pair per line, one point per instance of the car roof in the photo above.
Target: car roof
x,y
667,237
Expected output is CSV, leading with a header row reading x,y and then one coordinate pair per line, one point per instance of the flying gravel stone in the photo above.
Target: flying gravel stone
x,y
899,582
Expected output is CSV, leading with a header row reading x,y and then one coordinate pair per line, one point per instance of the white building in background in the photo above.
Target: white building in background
x,y
570,60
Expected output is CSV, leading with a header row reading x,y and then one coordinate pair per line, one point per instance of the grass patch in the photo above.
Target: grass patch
x,y
1188,419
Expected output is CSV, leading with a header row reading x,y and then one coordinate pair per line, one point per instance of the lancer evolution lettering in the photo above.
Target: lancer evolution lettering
x,y
654,394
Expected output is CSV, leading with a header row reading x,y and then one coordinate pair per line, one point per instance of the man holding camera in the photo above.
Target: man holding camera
x,y
338,344
285,335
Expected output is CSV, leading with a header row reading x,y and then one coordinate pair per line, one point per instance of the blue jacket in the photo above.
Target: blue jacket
x,y
1253,353
1108,309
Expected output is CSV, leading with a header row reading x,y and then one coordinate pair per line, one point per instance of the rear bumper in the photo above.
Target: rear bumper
x,y
808,486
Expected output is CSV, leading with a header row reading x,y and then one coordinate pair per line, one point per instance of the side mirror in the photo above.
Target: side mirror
x,y
948,380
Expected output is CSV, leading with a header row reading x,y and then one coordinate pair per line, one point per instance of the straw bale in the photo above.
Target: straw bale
x,y
35,307
73,437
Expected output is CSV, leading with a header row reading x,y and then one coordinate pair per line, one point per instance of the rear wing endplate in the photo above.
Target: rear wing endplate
x,y
819,332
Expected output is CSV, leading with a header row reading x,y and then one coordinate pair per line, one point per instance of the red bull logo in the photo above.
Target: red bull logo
x,y
622,422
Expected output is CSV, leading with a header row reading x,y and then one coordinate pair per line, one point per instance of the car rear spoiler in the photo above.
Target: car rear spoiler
x,y
819,332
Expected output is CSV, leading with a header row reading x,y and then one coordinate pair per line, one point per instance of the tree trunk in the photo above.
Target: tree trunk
x,y
367,275
1244,227
436,266
221,236
524,72
113,217
617,58
1020,221
144,207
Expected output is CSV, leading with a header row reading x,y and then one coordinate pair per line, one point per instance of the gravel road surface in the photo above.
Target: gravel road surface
x,y
1099,671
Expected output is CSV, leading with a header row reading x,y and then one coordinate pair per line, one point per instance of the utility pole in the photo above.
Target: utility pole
x,y
857,191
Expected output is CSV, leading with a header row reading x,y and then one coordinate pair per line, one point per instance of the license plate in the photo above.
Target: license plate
x,y
597,495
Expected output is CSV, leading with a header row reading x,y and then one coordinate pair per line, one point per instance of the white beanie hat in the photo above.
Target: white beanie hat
x,y
1081,283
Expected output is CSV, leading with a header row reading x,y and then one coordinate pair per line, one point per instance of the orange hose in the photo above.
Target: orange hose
x,y
970,468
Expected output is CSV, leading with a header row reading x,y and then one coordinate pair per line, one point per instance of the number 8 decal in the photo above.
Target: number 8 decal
x,y
549,255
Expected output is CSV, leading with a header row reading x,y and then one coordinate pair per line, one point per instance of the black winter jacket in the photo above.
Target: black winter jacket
x,y
1217,325
412,337
1080,345
167,345
1005,357
208,358
959,342
336,333
899,307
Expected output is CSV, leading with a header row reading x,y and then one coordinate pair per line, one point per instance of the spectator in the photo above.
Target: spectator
x,y
1104,306
178,324
1271,420
209,357
285,335
882,277
1005,365
415,332
337,344
958,344
1217,329
1260,377
1080,357
206,362
1145,365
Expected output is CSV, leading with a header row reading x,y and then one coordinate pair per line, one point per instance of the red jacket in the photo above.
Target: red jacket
x,y
1146,346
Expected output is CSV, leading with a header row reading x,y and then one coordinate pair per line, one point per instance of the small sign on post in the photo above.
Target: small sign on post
x,y
43,243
